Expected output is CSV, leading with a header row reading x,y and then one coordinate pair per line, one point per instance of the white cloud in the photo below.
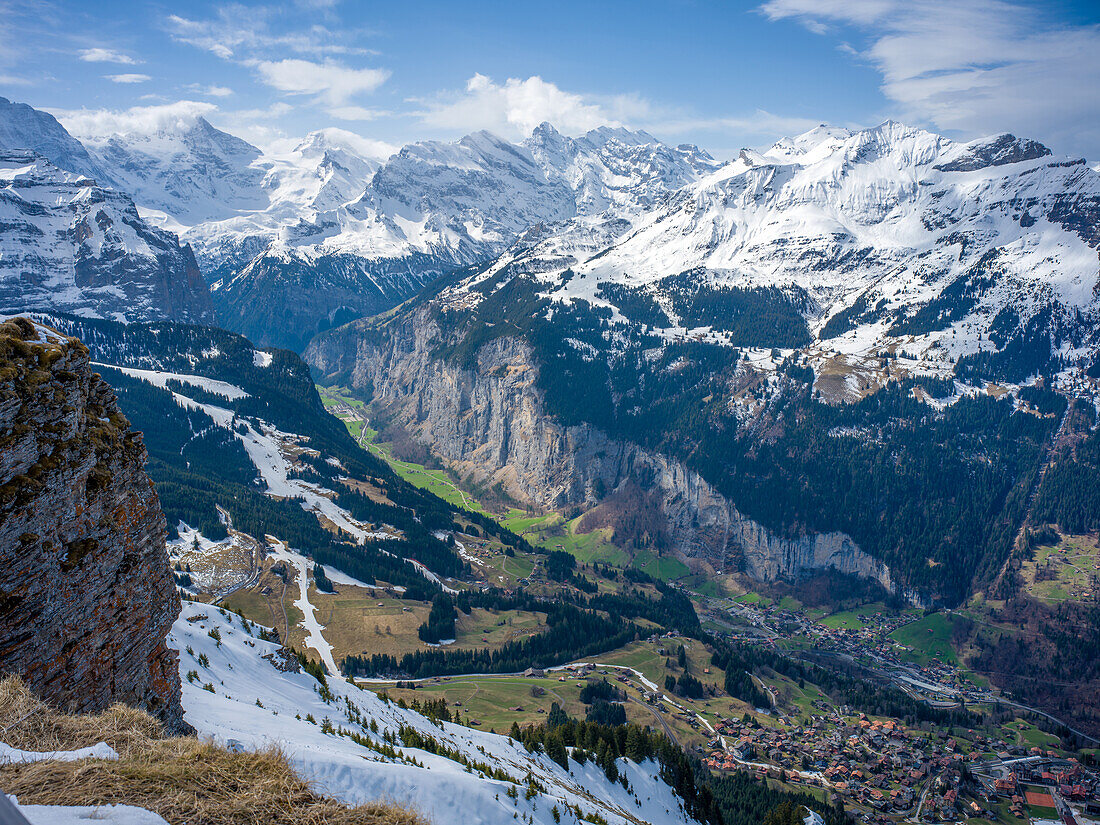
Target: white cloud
x,y
356,113
210,91
137,120
516,107
975,66
128,78
365,147
330,82
760,124
98,55
252,32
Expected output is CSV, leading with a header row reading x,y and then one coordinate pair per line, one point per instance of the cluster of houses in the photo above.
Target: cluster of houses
x,y
1033,781
888,770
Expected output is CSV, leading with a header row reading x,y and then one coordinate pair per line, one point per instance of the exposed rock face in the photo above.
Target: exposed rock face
x,y
491,422
86,593
69,245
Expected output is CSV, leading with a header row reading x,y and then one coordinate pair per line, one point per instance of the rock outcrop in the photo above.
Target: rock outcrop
x,y
86,591
491,422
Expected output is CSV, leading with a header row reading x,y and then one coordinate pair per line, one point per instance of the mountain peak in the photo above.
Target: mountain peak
x,y
24,127
818,140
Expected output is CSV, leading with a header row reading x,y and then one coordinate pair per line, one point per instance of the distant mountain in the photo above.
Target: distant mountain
x,y
299,241
70,245
429,209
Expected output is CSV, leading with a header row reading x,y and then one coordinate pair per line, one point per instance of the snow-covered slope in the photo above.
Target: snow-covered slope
x,y
616,169
69,245
242,698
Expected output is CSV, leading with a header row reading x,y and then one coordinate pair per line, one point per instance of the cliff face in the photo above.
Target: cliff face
x,y
86,592
491,422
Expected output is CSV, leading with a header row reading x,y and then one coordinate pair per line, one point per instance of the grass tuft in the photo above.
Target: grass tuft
x,y
183,779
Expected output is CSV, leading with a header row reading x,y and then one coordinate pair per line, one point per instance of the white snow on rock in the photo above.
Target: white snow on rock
x,y
309,622
15,756
337,766
261,359
84,814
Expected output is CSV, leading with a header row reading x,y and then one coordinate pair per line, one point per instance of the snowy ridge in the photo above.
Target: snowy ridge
x,y
161,379
256,705
862,227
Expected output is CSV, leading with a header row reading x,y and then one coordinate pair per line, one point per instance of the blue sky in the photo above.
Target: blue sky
x,y
722,75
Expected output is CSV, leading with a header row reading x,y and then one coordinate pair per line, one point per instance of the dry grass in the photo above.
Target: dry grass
x,y
182,779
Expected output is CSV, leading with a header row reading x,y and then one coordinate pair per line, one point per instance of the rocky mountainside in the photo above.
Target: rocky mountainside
x,y
70,245
891,269
86,594
490,422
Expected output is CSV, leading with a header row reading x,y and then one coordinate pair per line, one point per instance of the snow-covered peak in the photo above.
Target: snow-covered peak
x,y
23,127
181,166
818,141
616,169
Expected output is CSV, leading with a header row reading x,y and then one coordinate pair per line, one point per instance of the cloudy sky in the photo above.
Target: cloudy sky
x,y
720,74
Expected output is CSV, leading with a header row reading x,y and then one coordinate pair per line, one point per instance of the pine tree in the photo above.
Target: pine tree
x,y
555,749
635,747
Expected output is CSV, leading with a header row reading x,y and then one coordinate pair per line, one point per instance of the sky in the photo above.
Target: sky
x,y
722,75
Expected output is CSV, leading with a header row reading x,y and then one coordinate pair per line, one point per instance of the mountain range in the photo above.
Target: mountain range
x,y
833,264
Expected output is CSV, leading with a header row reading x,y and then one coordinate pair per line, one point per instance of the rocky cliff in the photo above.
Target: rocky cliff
x,y
490,422
86,592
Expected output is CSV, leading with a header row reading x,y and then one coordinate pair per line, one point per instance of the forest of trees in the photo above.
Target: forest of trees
x,y
441,620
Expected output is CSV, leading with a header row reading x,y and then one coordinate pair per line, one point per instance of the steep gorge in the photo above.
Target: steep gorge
x,y
491,422
86,591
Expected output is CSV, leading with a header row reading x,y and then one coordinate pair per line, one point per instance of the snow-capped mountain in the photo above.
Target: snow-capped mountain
x,y
436,206
616,169
24,127
184,168
69,245
878,237
334,232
